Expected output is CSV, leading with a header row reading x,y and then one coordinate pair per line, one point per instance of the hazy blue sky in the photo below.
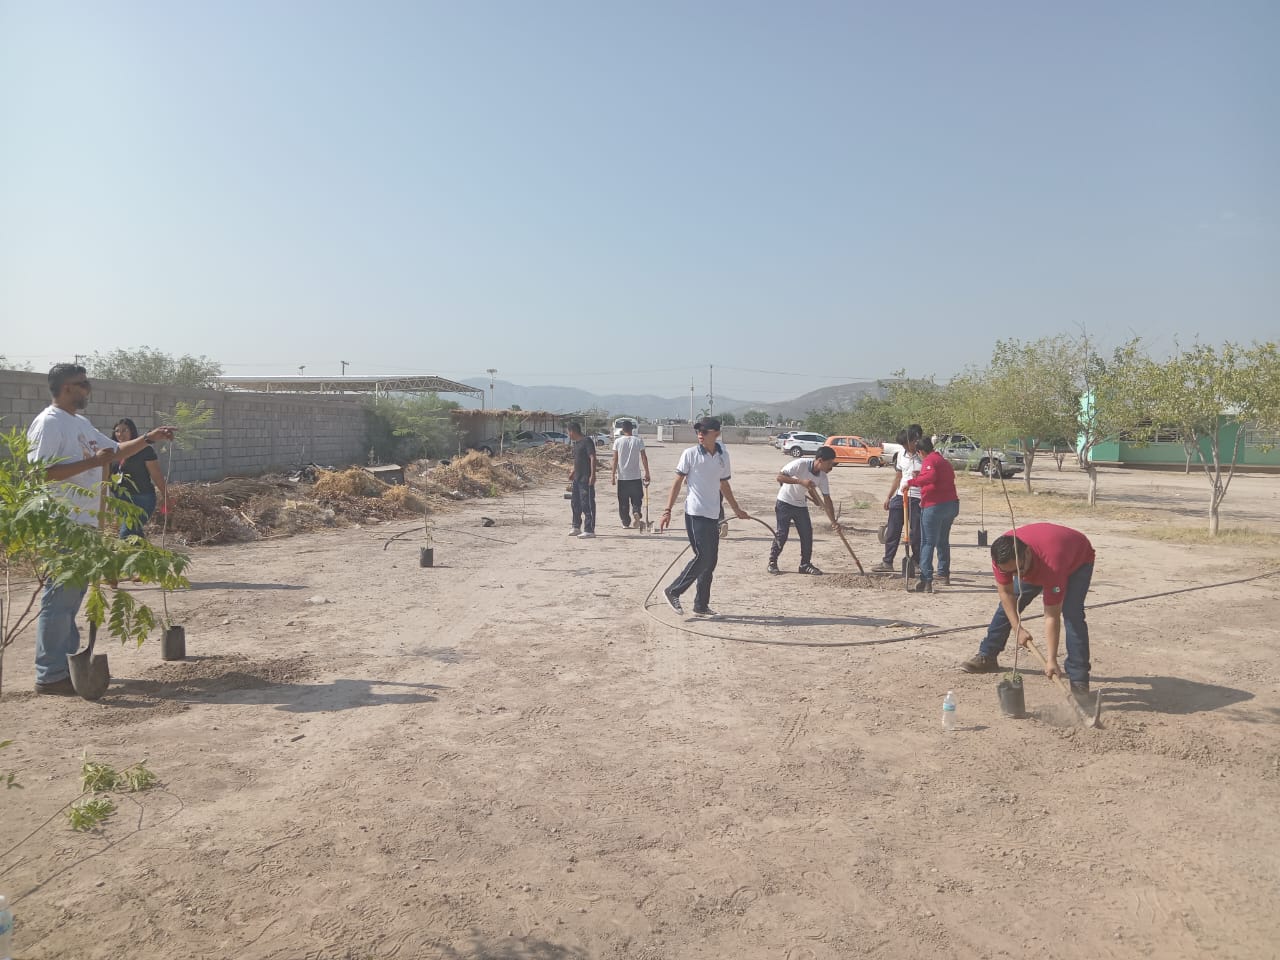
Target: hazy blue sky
x,y
612,196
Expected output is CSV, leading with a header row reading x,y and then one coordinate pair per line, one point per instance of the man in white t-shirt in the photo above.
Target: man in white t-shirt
x,y
630,472
705,466
798,480
908,465
64,436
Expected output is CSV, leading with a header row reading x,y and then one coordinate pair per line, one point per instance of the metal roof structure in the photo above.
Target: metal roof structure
x,y
378,386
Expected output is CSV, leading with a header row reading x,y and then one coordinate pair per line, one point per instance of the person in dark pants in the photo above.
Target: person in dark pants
x,y
705,466
583,480
1058,562
796,481
630,471
907,466
141,482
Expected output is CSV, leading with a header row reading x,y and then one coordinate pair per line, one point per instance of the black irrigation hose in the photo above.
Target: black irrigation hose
x,y
919,634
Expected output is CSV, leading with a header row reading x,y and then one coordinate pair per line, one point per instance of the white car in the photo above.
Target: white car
x,y
802,443
781,439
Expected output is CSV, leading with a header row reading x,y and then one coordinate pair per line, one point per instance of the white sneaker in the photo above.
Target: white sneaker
x,y
586,535
575,532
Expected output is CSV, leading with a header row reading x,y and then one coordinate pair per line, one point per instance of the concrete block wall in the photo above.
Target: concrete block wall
x,y
252,432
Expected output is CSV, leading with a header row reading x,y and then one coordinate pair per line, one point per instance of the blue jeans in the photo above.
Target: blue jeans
x,y
1073,620
935,534
584,506
145,501
893,528
704,536
56,631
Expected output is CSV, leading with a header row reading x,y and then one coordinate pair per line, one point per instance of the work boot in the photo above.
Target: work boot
x,y
575,531
1082,695
946,579
60,688
884,566
923,586
980,664
773,567
810,569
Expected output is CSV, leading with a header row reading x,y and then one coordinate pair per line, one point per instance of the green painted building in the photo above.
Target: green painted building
x,y
1260,450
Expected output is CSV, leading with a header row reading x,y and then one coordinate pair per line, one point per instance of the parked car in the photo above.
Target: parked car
x,y
801,443
856,450
602,439
556,436
781,439
524,440
891,451
963,453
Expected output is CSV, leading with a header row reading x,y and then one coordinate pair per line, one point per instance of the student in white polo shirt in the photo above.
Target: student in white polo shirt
x,y
706,468
795,481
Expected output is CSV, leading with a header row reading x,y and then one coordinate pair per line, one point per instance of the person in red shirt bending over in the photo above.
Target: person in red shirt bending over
x,y
1055,560
939,507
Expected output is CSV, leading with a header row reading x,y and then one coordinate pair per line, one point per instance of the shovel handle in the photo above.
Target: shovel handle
x,y
1063,686
845,541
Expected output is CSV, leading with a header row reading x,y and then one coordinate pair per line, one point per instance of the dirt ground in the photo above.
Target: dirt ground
x,y
509,756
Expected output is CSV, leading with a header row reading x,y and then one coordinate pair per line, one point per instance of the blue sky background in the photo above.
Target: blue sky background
x,y
613,196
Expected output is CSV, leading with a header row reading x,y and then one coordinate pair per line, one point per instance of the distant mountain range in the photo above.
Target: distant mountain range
x,y
651,407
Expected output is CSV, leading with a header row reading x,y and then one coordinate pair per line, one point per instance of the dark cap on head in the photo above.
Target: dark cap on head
x,y
707,423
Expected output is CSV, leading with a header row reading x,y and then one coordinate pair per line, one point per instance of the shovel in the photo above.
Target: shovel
x,y
982,514
1089,719
90,674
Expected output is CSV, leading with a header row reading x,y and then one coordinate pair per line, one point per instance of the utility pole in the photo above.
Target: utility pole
x,y
344,366
691,401
711,387
492,371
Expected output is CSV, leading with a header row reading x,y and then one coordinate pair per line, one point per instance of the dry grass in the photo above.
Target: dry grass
x,y
198,516
344,484
1200,536
405,499
1042,504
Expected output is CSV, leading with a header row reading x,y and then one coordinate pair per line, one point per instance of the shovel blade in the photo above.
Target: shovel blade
x,y
90,674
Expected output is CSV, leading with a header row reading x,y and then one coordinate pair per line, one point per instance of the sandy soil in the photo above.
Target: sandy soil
x,y
509,756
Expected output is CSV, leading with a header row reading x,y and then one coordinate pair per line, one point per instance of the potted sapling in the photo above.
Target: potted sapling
x,y
191,423
43,543
427,555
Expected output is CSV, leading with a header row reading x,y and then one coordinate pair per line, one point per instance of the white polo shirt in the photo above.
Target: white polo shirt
x,y
703,472
910,464
63,437
794,493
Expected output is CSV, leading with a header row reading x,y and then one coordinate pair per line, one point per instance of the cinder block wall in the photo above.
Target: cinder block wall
x,y
252,432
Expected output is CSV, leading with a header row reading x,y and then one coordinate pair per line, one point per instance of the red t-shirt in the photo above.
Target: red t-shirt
x,y
1056,553
936,480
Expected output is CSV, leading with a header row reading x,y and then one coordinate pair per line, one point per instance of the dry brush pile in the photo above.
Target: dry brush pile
x,y
239,509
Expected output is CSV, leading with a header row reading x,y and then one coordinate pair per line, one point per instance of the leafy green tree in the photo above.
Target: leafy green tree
x,y
1036,397
7,364
147,365
727,419
821,421
43,543
755,418
1109,406
401,429
1207,395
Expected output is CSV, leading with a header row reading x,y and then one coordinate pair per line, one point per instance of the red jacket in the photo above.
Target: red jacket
x,y
936,480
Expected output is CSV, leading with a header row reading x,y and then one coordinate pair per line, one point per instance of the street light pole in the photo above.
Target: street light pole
x,y
344,366
492,371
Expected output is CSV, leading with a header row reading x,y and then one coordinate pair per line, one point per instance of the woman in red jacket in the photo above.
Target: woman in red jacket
x,y
939,507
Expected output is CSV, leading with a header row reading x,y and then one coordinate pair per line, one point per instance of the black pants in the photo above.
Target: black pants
x,y
787,514
704,535
584,506
893,528
630,499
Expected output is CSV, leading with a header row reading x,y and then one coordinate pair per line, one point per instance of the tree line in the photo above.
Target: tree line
x,y
1065,390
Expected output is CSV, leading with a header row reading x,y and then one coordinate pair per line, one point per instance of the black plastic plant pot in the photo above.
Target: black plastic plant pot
x,y
427,557
173,645
982,538
1012,703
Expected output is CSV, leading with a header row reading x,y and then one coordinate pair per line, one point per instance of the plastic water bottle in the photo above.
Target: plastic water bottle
x,y
6,930
949,713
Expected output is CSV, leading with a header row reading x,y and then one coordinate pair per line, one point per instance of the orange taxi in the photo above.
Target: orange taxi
x,y
856,450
